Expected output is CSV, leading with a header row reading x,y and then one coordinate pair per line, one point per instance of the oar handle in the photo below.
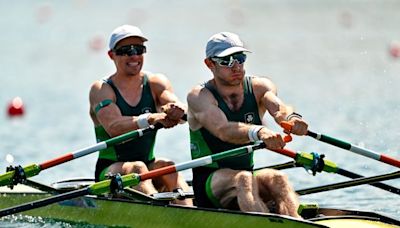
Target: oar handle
x,y
288,127
158,125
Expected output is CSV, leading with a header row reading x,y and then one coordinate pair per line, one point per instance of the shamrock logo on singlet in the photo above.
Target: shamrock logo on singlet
x,y
249,117
195,150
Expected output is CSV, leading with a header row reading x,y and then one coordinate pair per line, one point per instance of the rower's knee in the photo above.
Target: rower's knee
x,y
163,163
135,167
280,179
244,179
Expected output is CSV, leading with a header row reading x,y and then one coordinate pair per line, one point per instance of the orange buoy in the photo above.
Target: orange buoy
x,y
15,107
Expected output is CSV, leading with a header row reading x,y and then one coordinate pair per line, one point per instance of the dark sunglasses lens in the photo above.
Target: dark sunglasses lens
x,y
131,50
225,60
240,57
229,60
122,50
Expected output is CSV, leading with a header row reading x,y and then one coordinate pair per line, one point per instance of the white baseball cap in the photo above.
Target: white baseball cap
x,y
223,44
123,32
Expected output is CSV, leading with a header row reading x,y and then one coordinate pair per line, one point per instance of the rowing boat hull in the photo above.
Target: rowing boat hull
x,y
131,213
119,212
136,209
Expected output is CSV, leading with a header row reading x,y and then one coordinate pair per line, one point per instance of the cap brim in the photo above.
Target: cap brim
x,y
232,50
130,35
126,36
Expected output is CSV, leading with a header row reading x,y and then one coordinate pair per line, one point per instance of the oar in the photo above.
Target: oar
x,y
340,171
131,179
351,183
286,165
290,164
34,169
379,185
309,160
350,147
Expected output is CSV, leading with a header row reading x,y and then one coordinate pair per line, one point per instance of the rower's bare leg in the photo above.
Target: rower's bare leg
x,y
228,184
123,168
171,181
274,185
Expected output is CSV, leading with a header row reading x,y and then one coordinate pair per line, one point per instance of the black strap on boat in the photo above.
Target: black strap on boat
x,y
18,177
116,185
317,164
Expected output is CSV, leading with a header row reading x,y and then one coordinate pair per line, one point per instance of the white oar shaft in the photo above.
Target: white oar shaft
x,y
89,150
194,163
365,152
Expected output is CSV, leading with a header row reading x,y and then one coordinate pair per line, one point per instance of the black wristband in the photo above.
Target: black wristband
x,y
294,114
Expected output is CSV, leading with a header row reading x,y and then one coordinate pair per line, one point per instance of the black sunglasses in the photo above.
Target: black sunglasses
x,y
130,50
229,60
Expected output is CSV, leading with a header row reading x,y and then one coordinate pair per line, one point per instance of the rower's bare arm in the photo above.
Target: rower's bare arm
x,y
281,111
166,99
109,116
266,94
205,112
276,108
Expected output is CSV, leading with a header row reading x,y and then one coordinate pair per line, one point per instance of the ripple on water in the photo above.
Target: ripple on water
x,y
24,221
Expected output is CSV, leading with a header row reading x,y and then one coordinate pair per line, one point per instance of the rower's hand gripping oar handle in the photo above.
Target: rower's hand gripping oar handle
x,y
288,127
159,125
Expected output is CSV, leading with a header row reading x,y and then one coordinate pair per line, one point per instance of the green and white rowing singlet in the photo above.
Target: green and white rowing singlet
x,y
203,143
140,149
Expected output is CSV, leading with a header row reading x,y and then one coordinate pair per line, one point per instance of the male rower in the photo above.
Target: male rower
x,y
132,99
225,113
